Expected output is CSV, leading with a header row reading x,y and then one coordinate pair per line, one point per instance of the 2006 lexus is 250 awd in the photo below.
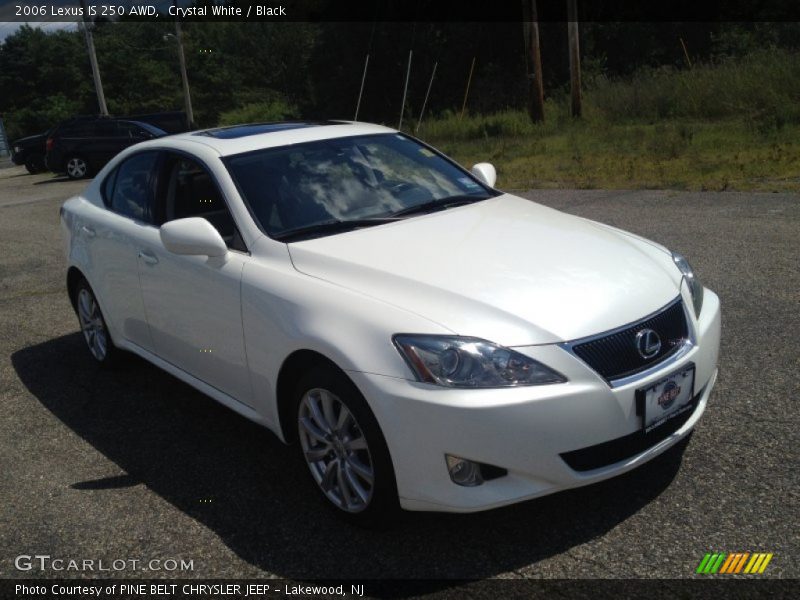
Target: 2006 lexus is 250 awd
x,y
427,341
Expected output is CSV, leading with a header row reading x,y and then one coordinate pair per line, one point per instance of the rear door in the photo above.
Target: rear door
x,y
109,140
112,237
72,139
193,303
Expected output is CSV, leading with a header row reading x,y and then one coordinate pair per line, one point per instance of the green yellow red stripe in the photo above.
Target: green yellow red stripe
x,y
734,563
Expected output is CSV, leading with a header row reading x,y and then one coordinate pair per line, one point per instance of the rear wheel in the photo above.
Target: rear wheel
x,y
93,326
344,449
77,167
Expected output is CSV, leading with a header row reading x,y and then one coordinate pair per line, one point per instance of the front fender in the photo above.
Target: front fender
x,y
284,311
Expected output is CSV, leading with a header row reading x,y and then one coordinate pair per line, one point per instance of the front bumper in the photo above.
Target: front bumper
x,y
524,430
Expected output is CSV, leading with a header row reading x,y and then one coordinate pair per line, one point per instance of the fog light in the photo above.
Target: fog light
x,y
464,472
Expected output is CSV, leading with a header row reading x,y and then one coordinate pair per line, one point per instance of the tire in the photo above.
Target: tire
x,y
34,164
344,453
93,327
76,167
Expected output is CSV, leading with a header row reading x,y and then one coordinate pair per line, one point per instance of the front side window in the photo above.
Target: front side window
x,y
346,180
189,190
128,190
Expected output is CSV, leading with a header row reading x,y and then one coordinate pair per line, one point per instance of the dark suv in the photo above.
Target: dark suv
x,y
81,147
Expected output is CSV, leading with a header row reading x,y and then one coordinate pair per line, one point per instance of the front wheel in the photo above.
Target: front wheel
x,y
77,167
344,449
93,326
34,164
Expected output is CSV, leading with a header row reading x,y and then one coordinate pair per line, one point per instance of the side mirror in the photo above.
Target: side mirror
x,y
193,236
486,173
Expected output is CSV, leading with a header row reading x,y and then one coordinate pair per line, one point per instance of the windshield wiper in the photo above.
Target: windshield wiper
x,y
440,204
338,226
330,227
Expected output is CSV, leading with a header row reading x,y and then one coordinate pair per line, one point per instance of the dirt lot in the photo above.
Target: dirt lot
x,y
136,465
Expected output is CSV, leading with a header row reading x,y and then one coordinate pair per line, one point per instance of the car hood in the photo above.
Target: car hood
x,y
31,139
504,269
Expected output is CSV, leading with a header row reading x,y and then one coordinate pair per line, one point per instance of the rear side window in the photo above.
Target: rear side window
x,y
105,129
132,130
128,190
78,129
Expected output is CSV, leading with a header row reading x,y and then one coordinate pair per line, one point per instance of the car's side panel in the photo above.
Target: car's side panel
x,y
196,383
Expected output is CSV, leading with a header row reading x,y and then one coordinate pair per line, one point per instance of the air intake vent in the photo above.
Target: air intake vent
x,y
616,355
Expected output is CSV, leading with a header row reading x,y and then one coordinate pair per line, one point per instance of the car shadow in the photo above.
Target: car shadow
x,y
241,482
54,179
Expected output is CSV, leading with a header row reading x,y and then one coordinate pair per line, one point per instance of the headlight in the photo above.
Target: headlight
x,y
695,287
17,149
465,362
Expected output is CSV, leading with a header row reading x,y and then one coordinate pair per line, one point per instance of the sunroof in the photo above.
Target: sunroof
x,y
238,131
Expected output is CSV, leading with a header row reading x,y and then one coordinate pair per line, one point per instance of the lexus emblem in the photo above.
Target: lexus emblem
x,y
648,343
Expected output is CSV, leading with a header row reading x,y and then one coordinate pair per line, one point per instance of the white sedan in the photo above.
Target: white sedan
x,y
427,341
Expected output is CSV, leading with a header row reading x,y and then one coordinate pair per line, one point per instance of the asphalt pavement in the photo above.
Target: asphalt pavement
x,y
134,465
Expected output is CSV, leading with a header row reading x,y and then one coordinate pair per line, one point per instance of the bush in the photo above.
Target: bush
x,y
509,123
39,116
762,87
272,110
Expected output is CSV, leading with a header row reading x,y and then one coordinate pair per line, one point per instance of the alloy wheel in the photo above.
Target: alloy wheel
x,y
336,450
92,325
76,167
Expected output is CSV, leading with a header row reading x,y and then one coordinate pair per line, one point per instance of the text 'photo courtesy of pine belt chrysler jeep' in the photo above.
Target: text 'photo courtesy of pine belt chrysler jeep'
x,y
425,340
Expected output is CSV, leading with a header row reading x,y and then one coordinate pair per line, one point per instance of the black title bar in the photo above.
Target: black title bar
x,y
401,10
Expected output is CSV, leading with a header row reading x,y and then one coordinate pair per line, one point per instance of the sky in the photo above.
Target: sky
x,y
9,22
9,27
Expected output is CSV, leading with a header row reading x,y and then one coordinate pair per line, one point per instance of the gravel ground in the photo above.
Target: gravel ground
x,y
136,465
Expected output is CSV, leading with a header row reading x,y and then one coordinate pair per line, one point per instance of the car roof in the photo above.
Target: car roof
x,y
238,139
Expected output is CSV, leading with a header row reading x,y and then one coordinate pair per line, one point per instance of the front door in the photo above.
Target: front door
x,y
193,303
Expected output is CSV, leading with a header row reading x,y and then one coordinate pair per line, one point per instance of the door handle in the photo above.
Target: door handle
x,y
88,231
148,258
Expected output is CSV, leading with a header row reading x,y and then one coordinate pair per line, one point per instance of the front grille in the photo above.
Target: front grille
x,y
615,355
609,453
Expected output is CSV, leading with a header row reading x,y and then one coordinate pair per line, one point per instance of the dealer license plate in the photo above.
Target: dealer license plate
x,y
666,399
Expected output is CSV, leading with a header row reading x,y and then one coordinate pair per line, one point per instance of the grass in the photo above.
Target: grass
x,y
684,155
728,126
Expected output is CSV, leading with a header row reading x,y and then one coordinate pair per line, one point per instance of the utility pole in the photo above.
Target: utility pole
x,y
361,90
574,57
466,92
534,62
405,91
98,84
187,98
685,53
428,93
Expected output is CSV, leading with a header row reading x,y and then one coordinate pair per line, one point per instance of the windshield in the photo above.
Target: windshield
x,y
151,128
358,180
